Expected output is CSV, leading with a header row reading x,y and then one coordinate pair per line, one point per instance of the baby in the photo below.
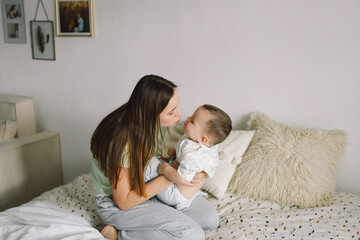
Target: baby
x,y
196,151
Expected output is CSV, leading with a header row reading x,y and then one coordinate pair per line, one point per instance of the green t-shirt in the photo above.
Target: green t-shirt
x,y
101,183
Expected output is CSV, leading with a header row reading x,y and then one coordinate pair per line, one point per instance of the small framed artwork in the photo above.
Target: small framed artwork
x,y
74,18
42,40
14,21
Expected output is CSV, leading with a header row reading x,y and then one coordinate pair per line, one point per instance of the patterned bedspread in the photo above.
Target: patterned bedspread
x,y
243,218
240,218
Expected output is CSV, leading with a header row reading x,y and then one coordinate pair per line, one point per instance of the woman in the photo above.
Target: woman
x,y
122,145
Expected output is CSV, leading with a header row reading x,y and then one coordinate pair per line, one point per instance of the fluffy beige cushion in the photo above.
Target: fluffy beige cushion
x,y
7,130
288,165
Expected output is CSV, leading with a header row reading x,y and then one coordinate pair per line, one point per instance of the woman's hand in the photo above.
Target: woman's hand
x,y
199,178
171,173
175,164
162,168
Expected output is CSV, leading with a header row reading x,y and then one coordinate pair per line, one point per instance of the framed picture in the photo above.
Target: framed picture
x,y
13,20
42,40
74,18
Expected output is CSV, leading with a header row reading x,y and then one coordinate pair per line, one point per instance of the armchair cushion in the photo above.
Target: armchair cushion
x,y
20,109
31,163
7,130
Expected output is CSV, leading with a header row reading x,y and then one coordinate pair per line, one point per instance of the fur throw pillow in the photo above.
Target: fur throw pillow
x,y
288,165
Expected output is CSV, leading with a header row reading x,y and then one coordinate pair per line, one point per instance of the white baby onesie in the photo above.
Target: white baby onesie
x,y
195,157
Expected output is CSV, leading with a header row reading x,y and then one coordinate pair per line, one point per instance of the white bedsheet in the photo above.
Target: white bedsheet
x,y
43,221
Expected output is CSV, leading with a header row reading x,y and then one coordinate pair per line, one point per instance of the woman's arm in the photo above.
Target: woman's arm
x,y
171,173
187,188
125,198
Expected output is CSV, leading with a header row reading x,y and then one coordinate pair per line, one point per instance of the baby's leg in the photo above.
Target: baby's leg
x,y
170,196
152,169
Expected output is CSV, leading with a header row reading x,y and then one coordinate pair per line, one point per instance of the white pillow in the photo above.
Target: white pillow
x,y
230,153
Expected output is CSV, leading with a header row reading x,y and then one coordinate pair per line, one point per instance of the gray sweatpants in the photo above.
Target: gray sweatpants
x,y
155,220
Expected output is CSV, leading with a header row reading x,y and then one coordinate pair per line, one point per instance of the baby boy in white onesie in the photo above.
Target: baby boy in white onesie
x,y
196,151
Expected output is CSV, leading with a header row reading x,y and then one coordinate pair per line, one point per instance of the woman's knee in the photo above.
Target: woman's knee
x,y
185,230
203,213
211,222
196,233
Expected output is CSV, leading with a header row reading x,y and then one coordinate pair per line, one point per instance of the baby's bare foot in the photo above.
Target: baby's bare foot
x,y
109,232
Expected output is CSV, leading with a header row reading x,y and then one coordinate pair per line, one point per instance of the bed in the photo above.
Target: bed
x,y
67,212
273,182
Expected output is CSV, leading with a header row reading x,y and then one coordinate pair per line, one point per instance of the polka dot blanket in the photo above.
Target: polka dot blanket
x,y
243,218
240,218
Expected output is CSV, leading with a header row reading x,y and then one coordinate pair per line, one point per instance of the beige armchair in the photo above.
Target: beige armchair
x,y
30,163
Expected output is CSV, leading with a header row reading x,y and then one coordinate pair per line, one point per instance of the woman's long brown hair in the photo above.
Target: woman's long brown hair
x,y
133,128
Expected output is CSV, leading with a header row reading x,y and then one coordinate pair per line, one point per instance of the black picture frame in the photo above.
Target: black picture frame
x,y
42,40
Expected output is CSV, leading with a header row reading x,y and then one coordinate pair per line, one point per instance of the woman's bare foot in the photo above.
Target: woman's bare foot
x,y
109,232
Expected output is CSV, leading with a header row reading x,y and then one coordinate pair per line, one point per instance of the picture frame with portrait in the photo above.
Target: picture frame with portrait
x,y
74,18
13,15
42,40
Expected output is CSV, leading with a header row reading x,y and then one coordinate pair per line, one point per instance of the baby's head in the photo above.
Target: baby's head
x,y
208,125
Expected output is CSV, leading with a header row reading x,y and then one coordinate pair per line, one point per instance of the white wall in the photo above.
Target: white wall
x,y
297,61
